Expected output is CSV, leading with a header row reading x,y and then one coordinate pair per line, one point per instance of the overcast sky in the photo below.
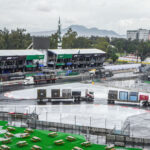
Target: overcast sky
x,y
42,15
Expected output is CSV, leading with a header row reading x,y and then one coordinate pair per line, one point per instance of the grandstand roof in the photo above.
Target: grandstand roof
x,y
76,51
20,52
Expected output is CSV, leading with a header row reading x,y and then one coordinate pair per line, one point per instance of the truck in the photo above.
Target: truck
x,y
64,95
40,79
128,97
100,73
22,79
11,79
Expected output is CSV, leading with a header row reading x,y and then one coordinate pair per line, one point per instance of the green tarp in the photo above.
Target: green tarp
x,y
32,57
60,64
64,56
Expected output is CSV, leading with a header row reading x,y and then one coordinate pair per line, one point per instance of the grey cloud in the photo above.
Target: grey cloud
x,y
38,15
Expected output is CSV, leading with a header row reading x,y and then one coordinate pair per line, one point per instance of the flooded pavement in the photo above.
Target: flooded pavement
x,y
96,114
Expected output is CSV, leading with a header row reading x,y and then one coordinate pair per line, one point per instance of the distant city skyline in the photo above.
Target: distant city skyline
x,y
42,15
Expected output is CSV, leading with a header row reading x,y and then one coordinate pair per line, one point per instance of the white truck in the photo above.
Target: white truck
x,y
40,79
30,80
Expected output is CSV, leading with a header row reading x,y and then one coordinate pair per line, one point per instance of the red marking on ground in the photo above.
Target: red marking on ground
x,y
124,106
135,108
97,104
147,111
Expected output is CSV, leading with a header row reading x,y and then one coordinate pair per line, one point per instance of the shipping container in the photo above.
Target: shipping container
x,y
42,77
133,93
133,97
47,77
123,96
113,95
36,77
66,93
76,93
55,93
41,93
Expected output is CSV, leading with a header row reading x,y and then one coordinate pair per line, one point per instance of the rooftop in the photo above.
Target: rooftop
x,y
20,52
76,51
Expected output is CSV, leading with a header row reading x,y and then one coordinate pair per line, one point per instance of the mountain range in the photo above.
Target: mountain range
x,y
82,31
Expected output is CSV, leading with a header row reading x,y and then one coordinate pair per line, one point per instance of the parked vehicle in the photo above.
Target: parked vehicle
x,y
128,97
65,95
40,79
101,73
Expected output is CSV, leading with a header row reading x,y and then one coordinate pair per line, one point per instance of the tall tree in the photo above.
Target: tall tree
x,y
82,42
16,39
101,43
53,41
69,39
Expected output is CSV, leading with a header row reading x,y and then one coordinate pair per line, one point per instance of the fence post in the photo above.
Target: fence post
x,y
75,123
60,118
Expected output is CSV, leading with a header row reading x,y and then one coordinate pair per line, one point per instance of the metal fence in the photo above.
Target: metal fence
x,y
94,134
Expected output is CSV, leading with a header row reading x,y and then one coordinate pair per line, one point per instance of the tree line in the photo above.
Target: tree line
x,y
20,39
14,39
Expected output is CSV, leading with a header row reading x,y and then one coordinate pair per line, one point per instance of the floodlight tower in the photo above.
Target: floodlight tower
x,y
59,42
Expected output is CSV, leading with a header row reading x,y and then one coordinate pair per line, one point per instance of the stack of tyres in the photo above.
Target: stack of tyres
x,y
123,96
55,93
133,97
66,93
112,96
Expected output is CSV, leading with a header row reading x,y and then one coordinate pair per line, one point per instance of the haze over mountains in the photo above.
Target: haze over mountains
x,y
82,31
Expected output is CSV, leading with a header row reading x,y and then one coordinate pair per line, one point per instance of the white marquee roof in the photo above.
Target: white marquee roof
x,y
76,51
19,52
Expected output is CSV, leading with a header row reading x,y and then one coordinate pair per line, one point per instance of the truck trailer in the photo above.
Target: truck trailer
x,y
64,95
128,97
37,79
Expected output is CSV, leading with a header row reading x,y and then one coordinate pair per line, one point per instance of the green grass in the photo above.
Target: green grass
x,y
47,143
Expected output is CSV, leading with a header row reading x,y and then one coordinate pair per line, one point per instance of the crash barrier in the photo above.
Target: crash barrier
x,y
122,67
126,140
10,87
47,125
111,137
23,117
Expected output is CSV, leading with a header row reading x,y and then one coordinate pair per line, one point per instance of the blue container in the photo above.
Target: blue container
x,y
69,63
68,72
133,93
41,65
133,98
123,96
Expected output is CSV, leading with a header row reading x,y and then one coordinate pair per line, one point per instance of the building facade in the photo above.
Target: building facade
x,y
75,58
20,60
141,34
132,34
